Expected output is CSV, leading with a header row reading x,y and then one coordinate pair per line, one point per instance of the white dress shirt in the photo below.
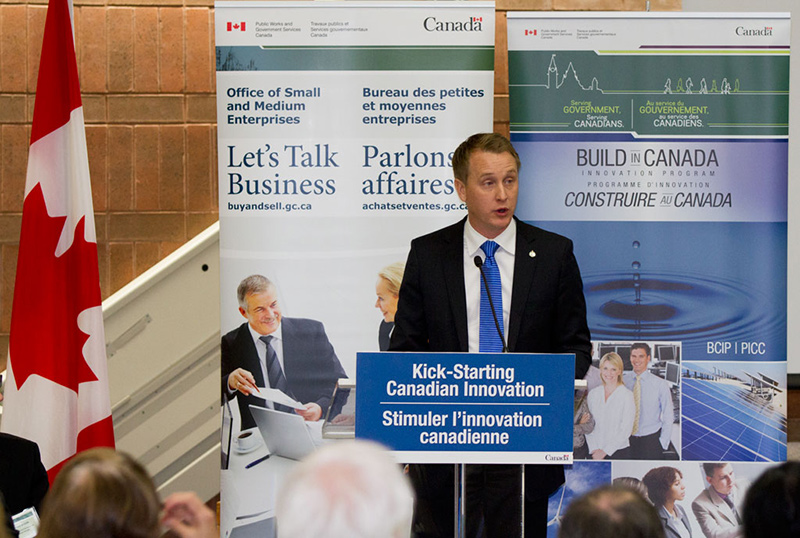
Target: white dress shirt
x,y
655,405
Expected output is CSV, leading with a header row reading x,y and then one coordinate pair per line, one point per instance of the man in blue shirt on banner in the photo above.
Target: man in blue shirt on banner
x,y
652,427
536,288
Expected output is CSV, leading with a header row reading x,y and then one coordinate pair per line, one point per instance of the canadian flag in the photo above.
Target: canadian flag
x,y
57,387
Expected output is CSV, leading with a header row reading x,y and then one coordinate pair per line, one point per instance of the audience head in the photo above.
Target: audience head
x,y
346,490
632,483
611,512
772,505
664,484
4,530
101,493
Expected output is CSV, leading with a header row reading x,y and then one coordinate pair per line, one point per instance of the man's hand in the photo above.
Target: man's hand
x,y
186,515
242,380
311,413
598,454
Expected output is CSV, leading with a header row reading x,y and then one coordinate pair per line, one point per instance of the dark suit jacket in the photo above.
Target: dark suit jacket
x,y
23,478
310,364
670,531
548,309
384,332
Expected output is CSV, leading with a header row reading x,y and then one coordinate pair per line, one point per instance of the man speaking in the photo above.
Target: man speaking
x,y
536,288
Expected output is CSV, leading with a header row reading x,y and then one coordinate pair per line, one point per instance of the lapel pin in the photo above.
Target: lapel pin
x,y
532,254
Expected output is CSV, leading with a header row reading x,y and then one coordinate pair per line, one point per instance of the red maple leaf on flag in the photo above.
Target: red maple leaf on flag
x,y
49,294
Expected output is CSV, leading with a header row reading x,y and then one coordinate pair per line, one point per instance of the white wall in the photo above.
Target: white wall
x,y
793,7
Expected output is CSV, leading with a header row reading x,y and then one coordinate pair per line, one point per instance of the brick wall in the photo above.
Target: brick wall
x,y
147,78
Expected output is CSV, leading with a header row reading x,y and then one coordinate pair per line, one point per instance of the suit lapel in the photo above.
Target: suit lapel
x,y
524,269
288,341
669,522
453,268
723,507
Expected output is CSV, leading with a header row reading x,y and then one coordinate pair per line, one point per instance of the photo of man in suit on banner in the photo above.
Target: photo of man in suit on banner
x,y
292,355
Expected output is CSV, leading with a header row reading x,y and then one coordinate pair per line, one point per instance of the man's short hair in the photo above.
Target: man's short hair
x,y
611,512
101,493
641,345
772,505
488,142
250,285
349,489
709,468
659,481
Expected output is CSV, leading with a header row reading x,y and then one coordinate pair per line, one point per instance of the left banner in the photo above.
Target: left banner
x,y
336,127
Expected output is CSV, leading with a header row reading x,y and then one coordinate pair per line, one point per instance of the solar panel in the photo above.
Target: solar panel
x,y
725,421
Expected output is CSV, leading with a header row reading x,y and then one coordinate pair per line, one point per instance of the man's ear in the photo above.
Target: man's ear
x,y
461,189
242,312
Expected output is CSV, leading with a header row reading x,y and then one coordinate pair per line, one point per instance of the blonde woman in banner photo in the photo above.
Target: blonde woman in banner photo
x,y
387,289
613,409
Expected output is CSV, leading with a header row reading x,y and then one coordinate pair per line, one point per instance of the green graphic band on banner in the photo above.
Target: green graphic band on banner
x,y
654,95
244,58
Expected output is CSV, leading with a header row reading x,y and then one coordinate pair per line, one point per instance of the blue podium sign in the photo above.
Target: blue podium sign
x,y
467,407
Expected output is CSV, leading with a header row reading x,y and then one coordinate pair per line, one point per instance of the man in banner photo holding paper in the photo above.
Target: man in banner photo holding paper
x,y
536,288
292,355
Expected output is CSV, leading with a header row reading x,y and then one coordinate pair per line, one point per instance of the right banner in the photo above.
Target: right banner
x,y
658,144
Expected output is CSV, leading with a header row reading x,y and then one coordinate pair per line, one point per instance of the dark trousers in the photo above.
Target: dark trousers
x,y
646,447
493,508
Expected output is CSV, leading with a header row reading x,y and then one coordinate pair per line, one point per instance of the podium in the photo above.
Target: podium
x,y
467,408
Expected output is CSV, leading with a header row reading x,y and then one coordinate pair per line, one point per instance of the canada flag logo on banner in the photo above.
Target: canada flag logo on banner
x,y
530,32
236,26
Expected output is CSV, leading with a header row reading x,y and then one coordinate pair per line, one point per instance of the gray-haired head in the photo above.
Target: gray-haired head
x,y
250,285
351,489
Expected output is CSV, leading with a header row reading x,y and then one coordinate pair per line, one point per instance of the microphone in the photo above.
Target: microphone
x,y
479,264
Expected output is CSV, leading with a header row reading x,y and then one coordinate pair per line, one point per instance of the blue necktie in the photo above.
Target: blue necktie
x,y
275,373
489,339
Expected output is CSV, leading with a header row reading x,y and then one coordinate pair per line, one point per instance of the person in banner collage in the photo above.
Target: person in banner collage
x,y
542,308
387,289
718,507
665,487
650,437
293,355
613,409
